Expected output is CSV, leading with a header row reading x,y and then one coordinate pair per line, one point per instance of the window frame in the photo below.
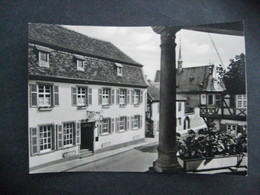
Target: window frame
x,y
73,134
136,121
124,120
107,95
44,63
241,99
52,140
122,96
79,61
81,95
44,93
106,122
137,96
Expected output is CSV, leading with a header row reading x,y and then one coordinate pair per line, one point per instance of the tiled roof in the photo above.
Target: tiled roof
x,y
62,37
63,62
154,92
196,79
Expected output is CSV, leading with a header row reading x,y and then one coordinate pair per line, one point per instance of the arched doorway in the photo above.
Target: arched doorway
x,y
186,124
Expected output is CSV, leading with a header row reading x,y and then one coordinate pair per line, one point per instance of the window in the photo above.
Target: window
x,y
45,138
122,97
80,65
105,127
105,96
81,96
241,101
179,119
68,131
136,122
119,69
231,129
210,100
44,59
122,124
44,96
179,106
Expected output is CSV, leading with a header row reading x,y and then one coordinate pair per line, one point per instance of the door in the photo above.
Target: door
x,y
87,135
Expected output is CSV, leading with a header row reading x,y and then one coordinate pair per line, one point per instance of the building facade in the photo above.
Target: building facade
x,y
153,109
85,96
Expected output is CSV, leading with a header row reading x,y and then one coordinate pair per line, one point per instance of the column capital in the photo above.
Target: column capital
x,y
167,33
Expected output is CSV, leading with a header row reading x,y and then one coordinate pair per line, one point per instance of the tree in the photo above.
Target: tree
x,y
234,76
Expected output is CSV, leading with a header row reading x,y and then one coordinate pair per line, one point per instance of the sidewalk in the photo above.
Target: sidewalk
x,y
70,164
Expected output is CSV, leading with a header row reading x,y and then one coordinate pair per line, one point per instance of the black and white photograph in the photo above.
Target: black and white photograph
x,y
156,99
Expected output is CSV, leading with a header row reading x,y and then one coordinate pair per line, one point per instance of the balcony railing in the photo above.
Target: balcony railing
x,y
224,113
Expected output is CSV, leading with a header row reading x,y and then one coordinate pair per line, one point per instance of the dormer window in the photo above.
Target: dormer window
x,y
119,69
43,56
80,62
80,65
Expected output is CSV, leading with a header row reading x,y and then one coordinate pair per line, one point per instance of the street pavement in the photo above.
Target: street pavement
x,y
76,164
135,160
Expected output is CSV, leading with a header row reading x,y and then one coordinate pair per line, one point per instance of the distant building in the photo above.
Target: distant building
x,y
85,96
191,83
153,107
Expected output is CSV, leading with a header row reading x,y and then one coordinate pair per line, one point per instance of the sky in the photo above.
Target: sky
x,y
143,45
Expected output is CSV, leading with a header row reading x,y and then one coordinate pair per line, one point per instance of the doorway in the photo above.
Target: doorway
x,y
87,136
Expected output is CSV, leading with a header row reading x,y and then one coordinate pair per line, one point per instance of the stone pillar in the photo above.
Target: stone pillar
x,y
167,159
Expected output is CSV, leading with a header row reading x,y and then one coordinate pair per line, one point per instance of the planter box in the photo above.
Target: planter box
x,y
213,163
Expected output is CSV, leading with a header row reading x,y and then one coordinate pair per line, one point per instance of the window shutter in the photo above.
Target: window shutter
x,y
34,141
132,94
33,95
53,133
74,96
132,122
100,128
140,121
89,96
77,136
112,96
56,95
59,136
86,96
117,124
141,97
117,96
128,123
112,125
128,97
99,96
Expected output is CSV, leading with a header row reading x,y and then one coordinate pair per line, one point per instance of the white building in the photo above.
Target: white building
x,y
85,96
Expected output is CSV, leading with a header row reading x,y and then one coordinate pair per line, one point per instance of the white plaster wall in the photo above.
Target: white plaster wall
x,y
66,112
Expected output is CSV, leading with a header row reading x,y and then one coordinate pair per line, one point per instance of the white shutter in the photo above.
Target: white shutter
x,y
33,95
141,97
34,141
140,121
59,130
74,96
128,97
112,96
89,96
100,96
77,134
112,126
55,95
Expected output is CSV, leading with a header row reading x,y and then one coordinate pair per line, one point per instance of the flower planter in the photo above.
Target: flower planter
x,y
217,162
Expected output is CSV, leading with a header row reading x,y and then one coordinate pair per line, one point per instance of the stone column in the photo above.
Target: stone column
x,y
167,159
